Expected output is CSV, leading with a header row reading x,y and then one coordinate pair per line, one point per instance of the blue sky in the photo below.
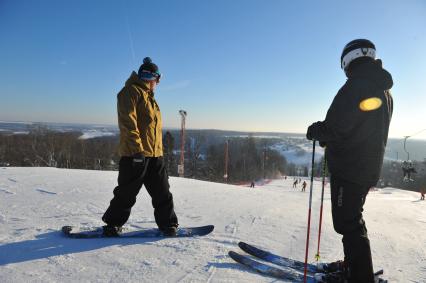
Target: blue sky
x,y
239,65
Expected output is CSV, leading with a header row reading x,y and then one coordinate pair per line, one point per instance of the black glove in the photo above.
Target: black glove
x,y
322,144
312,130
309,132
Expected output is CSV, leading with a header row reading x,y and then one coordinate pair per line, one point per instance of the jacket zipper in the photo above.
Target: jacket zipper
x,y
153,104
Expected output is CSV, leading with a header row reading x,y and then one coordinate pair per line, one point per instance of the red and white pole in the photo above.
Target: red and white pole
x,y
324,169
309,213
182,143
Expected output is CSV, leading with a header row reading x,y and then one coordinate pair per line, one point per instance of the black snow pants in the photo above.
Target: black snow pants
x,y
132,175
347,201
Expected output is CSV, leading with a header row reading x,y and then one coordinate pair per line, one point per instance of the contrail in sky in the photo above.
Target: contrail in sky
x,y
132,49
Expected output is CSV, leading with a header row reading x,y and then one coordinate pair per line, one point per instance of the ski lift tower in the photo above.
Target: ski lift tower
x,y
225,175
182,143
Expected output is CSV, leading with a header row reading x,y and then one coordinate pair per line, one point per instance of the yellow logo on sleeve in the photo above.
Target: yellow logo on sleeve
x,y
370,104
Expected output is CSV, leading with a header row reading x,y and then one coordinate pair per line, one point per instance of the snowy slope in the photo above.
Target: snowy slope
x,y
300,152
36,202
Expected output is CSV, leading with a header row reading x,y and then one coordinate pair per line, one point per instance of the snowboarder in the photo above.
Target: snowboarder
x,y
141,152
355,132
304,186
295,183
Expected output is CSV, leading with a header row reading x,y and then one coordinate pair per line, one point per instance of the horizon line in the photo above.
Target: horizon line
x,y
177,128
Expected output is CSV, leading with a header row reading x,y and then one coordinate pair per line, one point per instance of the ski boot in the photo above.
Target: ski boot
x,y
112,231
169,231
377,278
331,277
341,277
331,266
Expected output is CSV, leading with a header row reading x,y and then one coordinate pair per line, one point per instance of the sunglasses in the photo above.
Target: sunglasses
x,y
150,76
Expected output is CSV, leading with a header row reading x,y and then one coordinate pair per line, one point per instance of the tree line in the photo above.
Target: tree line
x,y
249,158
392,176
43,147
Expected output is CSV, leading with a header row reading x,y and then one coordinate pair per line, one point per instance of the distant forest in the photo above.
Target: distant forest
x,y
249,158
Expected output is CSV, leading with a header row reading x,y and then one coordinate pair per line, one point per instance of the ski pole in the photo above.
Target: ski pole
x,y
324,166
309,213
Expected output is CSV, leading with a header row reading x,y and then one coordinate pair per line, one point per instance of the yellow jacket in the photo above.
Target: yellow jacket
x,y
139,120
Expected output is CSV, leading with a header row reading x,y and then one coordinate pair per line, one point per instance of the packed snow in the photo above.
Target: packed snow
x,y
36,202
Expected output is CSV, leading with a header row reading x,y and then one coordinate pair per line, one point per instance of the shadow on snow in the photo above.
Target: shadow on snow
x,y
55,243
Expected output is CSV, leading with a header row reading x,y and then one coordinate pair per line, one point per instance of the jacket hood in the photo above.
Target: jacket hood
x,y
135,80
372,69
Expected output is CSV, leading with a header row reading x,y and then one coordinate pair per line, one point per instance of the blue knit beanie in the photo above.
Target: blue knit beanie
x,y
148,71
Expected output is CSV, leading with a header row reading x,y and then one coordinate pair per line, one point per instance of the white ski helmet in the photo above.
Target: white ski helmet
x,y
355,49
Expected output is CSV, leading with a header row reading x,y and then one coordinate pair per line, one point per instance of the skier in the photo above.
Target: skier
x,y
141,152
295,183
304,186
422,193
355,132
252,184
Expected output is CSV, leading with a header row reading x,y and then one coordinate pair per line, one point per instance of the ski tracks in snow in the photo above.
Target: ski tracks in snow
x,y
95,209
45,192
6,191
232,229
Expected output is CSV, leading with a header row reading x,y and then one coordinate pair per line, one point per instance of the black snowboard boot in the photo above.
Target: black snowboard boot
x,y
169,231
112,231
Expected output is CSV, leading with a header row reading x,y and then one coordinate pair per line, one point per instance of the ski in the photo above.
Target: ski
x,y
147,233
284,273
288,263
276,259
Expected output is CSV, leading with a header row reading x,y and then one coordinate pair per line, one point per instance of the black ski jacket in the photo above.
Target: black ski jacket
x,y
356,127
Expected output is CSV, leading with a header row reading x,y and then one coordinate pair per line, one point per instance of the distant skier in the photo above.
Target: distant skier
x,y
422,193
252,184
408,169
304,186
141,152
295,184
355,131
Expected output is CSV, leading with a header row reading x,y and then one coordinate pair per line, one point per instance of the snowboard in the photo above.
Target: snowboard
x,y
145,233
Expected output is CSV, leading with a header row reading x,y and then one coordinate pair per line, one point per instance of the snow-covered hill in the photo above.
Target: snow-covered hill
x,y
36,202
298,151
